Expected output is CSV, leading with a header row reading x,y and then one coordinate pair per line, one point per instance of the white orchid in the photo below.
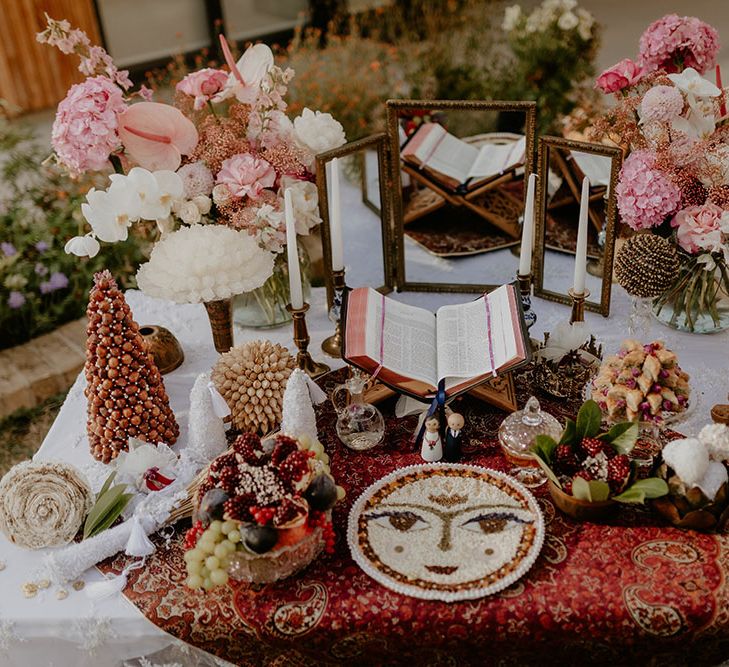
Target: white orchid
x,y
692,83
244,81
111,212
565,338
82,246
697,126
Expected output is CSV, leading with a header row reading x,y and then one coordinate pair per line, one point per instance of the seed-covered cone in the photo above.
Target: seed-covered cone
x,y
125,392
646,265
252,379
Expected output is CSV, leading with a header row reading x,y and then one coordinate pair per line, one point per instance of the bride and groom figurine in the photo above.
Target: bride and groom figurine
x,y
433,448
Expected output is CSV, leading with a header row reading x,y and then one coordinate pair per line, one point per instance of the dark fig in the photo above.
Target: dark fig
x,y
211,506
321,494
259,539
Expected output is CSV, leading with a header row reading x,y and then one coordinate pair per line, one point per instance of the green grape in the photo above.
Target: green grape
x,y
216,527
204,571
208,585
229,526
212,563
234,536
219,577
193,554
194,567
206,545
221,551
195,581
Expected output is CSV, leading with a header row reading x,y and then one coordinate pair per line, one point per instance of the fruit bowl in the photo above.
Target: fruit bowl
x,y
581,510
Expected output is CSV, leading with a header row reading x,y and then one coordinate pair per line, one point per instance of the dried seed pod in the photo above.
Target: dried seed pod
x,y
646,265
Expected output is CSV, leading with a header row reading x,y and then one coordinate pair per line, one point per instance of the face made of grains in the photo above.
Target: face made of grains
x,y
447,531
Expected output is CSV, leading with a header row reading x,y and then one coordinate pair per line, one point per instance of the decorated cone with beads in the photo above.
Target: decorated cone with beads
x,y
125,392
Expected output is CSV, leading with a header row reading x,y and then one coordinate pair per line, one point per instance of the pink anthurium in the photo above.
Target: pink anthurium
x,y
244,80
156,136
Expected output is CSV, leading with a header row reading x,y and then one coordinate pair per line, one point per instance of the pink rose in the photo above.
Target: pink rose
x,y
246,175
700,227
202,85
619,76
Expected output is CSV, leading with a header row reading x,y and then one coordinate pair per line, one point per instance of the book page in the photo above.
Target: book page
x,y
503,336
451,157
494,159
463,342
409,338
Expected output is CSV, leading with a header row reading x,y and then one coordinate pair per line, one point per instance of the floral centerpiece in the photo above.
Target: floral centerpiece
x,y
223,153
590,471
675,182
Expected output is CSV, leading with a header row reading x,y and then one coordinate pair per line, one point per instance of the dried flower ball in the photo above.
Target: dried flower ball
x,y
646,265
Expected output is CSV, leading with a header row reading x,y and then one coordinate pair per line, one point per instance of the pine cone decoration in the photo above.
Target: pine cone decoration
x,y
252,379
646,265
125,392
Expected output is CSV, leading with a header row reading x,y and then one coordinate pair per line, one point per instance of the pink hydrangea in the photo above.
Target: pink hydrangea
x,y
619,76
646,196
662,104
676,42
699,228
85,129
203,85
246,175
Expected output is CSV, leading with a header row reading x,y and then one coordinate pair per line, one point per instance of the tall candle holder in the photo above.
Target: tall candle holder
x,y
332,346
525,290
301,338
578,305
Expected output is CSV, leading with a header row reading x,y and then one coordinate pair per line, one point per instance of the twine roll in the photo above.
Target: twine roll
x,y
43,504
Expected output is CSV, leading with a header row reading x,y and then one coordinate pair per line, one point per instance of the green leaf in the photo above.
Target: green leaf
x,y
581,489
568,435
642,489
112,515
622,436
107,484
544,447
548,471
102,506
588,420
599,490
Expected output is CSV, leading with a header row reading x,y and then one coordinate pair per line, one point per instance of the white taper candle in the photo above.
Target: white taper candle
x,y
581,254
297,295
527,231
335,219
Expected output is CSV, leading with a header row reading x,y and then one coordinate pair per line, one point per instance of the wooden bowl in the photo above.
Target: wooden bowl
x,y
581,510
163,346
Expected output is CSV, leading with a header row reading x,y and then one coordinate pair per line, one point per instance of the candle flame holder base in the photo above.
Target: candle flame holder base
x,y
332,346
304,360
525,291
578,305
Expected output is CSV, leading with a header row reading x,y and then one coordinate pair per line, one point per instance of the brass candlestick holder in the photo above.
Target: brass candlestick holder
x,y
332,346
578,305
525,290
301,337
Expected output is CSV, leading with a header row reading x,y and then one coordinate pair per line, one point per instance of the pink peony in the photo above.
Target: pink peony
x,y
85,130
619,76
676,42
661,103
700,227
202,85
246,175
646,196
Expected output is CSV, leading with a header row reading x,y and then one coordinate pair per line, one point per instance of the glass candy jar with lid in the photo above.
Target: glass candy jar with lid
x,y
360,425
517,435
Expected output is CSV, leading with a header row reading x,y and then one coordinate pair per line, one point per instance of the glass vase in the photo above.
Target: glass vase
x,y
698,301
265,307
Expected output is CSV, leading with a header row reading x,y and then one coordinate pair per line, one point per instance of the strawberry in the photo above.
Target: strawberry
x,y
618,472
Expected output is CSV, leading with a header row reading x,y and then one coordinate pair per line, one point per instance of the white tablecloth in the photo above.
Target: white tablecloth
x,y
46,631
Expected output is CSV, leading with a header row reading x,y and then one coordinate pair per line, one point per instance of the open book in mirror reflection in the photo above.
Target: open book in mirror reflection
x,y
460,179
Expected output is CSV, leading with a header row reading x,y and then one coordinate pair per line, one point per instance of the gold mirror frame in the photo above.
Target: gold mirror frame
x,y
615,153
379,142
394,185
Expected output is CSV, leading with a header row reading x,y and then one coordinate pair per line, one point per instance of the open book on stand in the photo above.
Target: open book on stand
x,y
456,164
412,350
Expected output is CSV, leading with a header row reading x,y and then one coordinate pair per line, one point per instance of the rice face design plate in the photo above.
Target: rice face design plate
x,y
445,531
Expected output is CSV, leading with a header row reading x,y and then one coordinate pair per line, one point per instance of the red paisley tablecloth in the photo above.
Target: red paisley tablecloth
x,y
630,591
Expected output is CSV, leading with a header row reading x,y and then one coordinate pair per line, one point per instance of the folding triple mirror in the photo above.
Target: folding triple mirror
x,y
562,166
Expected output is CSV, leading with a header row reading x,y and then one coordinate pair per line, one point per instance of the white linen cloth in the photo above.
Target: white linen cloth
x,y
74,632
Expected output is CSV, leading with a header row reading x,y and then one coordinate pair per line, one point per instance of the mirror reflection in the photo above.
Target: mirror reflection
x,y
460,174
